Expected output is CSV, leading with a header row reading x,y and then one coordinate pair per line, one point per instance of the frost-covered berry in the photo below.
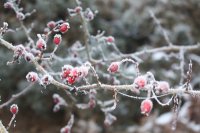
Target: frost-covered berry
x,y
14,109
114,67
140,82
74,72
32,77
146,106
51,24
66,70
110,39
8,5
71,80
57,39
28,57
83,71
65,129
41,44
162,86
109,119
20,16
89,15
19,50
46,80
64,27
56,98
78,9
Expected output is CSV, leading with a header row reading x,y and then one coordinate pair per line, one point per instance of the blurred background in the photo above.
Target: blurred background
x,y
134,30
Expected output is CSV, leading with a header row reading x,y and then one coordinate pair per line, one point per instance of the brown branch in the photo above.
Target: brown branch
x,y
106,86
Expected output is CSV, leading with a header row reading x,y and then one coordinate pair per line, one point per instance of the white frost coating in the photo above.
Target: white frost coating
x,y
184,111
164,119
2,128
158,56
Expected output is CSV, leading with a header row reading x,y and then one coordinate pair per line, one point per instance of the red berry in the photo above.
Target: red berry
x,y
41,44
28,57
110,39
8,5
140,81
46,80
32,77
14,109
65,129
51,24
64,27
71,80
74,72
66,70
83,71
114,67
146,106
57,39
78,9
163,86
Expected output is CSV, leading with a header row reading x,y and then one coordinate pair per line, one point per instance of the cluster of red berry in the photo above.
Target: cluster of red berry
x,y
71,74
57,39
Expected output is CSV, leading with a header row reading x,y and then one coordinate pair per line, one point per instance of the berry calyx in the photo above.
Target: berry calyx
x,y
57,39
14,109
32,77
146,107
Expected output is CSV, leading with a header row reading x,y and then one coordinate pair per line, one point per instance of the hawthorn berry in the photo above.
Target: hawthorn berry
x,y
71,80
20,16
146,106
32,77
51,24
19,50
89,15
114,67
110,39
14,109
46,80
56,98
66,70
57,39
28,57
8,5
83,71
78,9
65,129
140,82
41,44
162,86
64,27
